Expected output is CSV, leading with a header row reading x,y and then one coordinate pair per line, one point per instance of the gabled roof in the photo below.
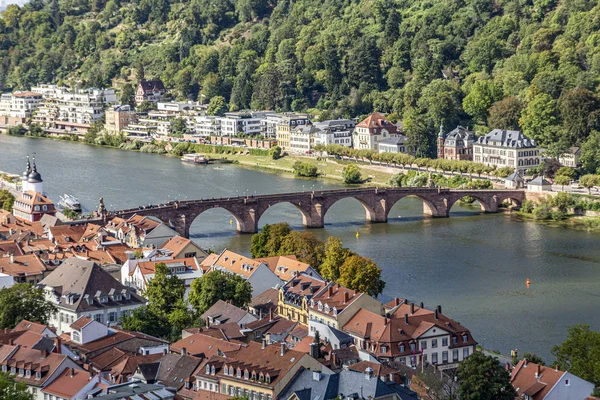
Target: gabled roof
x,y
26,265
376,122
152,85
69,383
534,380
507,138
236,263
225,312
335,296
79,281
202,345
285,267
36,327
539,181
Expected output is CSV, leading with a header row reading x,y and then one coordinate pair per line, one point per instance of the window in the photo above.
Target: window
x,y
99,318
190,255
402,348
444,356
112,316
465,352
434,358
567,383
412,347
465,337
423,344
433,343
445,342
455,355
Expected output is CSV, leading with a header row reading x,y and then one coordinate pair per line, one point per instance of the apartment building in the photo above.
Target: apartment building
x,y
337,131
247,123
371,130
16,108
118,117
505,148
288,122
302,139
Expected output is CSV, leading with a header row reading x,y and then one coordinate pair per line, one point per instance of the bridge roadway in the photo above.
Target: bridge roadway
x,y
247,210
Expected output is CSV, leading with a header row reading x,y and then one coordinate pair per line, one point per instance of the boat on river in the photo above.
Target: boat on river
x,y
195,158
70,202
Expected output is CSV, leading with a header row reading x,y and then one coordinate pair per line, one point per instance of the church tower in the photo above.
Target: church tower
x,y
31,180
440,142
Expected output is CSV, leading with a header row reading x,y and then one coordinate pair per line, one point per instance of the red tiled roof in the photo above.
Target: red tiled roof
x,y
69,383
199,343
525,381
81,322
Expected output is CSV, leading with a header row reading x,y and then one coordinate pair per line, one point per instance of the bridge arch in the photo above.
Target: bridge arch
x,y
374,212
515,198
429,207
487,203
306,216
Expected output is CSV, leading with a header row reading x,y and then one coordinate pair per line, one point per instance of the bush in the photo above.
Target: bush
x,y
351,174
397,180
542,212
305,169
527,206
418,181
275,152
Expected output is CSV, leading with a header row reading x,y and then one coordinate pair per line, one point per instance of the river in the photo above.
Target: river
x,y
474,265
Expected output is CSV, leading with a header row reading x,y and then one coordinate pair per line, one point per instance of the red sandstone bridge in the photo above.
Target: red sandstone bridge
x,y
247,210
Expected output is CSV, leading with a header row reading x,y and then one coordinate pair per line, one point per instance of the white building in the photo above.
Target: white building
x,y
395,144
19,106
82,288
178,107
205,125
269,124
6,280
247,123
302,139
337,131
572,158
504,148
539,184
371,130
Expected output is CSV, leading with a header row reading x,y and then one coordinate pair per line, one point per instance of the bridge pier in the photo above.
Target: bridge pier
x,y
436,209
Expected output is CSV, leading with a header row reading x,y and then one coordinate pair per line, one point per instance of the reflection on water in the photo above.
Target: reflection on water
x,y
474,265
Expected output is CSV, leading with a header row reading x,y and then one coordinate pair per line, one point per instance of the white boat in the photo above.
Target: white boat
x,y
195,158
69,202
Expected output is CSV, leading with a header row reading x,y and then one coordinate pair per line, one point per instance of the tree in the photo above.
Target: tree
x,y
562,180
588,181
335,255
13,390
145,106
504,114
216,106
305,169
539,115
590,153
128,95
275,153
482,377
267,242
361,274
6,200
219,285
164,290
140,73
481,97
578,108
179,128
23,301
580,354
146,320
351,174
317,342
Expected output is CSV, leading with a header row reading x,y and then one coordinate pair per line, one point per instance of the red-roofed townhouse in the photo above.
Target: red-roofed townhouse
x,y
371,130
73,384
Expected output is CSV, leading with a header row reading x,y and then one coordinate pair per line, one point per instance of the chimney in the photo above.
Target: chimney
x,y
330,291
270,314
314,350
346,297
72,372
525,362
556,368
406,319
264,343
421,305
507,366
385,321
397,301
12,258
44,354
282,349
435,315
538,372
57,345
412,308
183,351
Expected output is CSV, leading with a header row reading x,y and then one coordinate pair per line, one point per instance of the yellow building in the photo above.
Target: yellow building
x,y
295,296
285,126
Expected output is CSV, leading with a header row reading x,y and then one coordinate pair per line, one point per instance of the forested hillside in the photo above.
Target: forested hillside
x,y
529,64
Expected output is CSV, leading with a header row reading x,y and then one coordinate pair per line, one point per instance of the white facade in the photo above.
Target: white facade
x,y
502,148
177,107
93,330
570,387
302,139
19,105
6,280
247,123
206,125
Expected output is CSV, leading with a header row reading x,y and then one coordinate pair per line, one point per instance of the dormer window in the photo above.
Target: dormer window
x,y
230,371
238,372
104,299
246,374
212,370
268,378
38,375
465,337
27,373
207,369
326,308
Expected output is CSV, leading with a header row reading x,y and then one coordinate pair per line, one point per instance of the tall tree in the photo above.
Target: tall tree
x,y
361,274
538,117
480,98
335,255
504,114
579,111
164,290
482,377
219,285
128,95
580,354
23,301
13,390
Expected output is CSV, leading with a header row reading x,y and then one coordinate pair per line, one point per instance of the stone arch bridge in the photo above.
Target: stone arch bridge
x,y
247,210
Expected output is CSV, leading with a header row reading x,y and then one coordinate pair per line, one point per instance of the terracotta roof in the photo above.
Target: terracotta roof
x,y
266,301
304,285
81,322
334,295
34,360
200,344
26,265
21,228
127,366
281,326
525,381
376,122
236,263
34,198
69,383
379,369
148,267
108,359
285,267
25,325
8,247
63,234
27,94
29,339
149,86
201,395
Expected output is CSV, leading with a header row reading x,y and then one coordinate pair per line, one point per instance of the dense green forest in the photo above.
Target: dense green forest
x,y
523,64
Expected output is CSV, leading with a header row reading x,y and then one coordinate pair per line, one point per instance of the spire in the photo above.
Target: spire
x,y
27,171
101,208
34,175
441,134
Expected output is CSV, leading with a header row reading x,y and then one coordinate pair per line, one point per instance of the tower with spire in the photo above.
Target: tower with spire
x,y
31,180
440,141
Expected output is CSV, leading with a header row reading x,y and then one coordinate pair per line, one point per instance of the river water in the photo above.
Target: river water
x,y
474,265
